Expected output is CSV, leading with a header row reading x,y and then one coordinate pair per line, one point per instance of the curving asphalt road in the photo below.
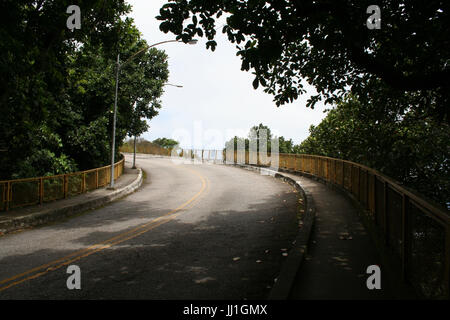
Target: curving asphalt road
x,y
190,232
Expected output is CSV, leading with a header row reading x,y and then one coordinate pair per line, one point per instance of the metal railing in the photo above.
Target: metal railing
x,y
30,191
414,232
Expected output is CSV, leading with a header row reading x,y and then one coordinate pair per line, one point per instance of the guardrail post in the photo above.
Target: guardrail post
x,y
8,195
375,196
351,178
41,190
358,187
335,171
66,185
447,262
83,188
405,236
385,209
367,191
96,179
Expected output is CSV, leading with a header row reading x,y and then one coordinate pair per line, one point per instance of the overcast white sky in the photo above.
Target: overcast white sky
x,y
217,100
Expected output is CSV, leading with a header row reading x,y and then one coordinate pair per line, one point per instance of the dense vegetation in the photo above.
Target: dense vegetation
x,y
408,147
261,137
328,44
166,143
57,86
157,146
389,87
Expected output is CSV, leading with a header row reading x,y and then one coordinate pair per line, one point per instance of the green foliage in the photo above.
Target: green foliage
x,y
43,160
166,143
327,44
57,86
144,146
236,142
408,146
285,146
261,136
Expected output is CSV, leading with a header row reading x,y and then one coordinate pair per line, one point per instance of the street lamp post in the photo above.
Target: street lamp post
x,y
113,147
119,66
134,154
134,140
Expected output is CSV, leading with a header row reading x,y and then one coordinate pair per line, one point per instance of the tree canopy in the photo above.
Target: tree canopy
x,y
57,86
327,44
261,137
166,143
409,147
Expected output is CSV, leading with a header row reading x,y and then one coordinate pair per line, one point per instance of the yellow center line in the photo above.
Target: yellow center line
x,y
107,243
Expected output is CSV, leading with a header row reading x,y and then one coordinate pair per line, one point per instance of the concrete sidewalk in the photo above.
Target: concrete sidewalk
x,y
32,216
339,252
330,256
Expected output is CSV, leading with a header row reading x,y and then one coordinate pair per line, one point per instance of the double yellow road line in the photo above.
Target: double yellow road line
x,y
75,256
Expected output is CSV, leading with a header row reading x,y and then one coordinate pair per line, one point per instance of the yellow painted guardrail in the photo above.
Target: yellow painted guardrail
x,y
30,191
414,232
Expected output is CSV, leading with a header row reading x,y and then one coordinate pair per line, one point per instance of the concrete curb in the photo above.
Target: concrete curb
x,y
48,215
283,286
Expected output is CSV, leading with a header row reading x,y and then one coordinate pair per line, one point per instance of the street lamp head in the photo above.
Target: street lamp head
x,y
193,41
173,85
